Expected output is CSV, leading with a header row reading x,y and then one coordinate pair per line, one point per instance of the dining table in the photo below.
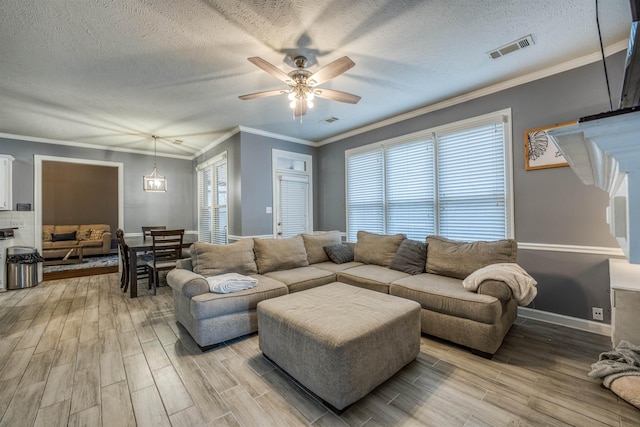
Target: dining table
x,y
138,244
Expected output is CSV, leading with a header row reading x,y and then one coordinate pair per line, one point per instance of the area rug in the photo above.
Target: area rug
x,y
88,267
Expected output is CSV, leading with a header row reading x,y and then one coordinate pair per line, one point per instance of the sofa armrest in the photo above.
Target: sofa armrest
x,y
495,288
187,282
185,264
106,242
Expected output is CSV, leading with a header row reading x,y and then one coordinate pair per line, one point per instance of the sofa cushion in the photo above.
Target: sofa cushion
x,y
411,257
446,295
373,277
207,305
314,245
280,254
301,278
460,259
378,249
63,237
63,229
209,259
339,253
334,268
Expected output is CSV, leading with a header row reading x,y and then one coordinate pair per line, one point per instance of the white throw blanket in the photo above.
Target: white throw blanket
x,y
522,285
230,282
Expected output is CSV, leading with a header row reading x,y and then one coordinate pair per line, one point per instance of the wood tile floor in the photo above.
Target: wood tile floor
x,y
79,352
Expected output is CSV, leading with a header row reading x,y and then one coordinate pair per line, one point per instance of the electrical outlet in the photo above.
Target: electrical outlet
x,y
597,313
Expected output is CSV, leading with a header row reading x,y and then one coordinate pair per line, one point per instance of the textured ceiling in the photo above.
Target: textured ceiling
x,y
115,72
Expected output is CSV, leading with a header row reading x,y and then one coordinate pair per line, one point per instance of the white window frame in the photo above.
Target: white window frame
x,y
209,163
497,116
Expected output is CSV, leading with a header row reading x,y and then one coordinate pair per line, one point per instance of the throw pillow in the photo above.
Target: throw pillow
x,y
314,245
459,259
339,253
84,234
280,254
63,237
411,257
96,234
210,259
378,249
46,236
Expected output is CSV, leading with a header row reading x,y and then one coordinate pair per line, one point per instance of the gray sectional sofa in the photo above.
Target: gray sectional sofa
x,y
390,264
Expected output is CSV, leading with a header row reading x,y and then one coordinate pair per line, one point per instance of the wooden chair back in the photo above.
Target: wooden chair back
x,y
167,245
124,258
146,230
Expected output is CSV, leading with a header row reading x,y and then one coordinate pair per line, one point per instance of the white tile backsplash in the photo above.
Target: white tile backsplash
x,y
25,221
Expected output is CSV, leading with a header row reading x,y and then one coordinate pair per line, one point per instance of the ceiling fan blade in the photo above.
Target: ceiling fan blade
x,y
262,94
301,109
271,69
331,70
336,95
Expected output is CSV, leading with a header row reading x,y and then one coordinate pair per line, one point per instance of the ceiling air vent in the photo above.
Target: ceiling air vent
x,y
511,47
329,120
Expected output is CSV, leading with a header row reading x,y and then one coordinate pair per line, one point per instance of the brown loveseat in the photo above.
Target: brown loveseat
x,y
95,239
476,319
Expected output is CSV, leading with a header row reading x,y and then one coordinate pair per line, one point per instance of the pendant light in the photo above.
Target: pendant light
x,y
154,183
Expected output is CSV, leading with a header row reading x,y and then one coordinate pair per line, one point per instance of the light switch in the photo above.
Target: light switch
x,y
269,210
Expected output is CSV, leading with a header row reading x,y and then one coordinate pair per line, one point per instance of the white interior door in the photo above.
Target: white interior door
x,y
292,188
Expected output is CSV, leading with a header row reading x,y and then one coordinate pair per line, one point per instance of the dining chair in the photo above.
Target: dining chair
x,y
142,270
167,249
146,230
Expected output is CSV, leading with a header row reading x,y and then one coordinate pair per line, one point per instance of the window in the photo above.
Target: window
x,y
212,200
453,181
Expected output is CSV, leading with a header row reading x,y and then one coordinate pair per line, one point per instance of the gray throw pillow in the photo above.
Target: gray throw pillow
x,y
339,253
411,257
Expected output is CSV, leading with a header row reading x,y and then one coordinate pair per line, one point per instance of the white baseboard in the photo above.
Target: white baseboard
x,y
562,320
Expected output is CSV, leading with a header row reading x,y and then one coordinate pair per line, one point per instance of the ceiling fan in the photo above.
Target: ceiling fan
x,y
303,84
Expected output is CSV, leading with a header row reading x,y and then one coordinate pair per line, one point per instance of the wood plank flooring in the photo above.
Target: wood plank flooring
x,y
79,352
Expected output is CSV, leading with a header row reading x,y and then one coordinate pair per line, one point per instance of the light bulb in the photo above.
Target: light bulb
x,y
310,96
291,96
309,104
292,104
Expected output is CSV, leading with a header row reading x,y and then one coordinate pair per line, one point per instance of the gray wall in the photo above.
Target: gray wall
x,y
250,181
551,205
175,208
257,185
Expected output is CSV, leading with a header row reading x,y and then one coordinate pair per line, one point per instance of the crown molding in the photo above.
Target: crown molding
x,y
527,78
217,141
90,146
277,136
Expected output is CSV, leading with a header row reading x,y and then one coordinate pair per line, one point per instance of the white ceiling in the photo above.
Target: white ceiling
x,y
115,72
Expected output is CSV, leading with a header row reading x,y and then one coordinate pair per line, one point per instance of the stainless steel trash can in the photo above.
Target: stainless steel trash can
x,y
22,267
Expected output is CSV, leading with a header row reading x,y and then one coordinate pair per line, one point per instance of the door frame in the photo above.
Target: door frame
x,y
281,154
37,189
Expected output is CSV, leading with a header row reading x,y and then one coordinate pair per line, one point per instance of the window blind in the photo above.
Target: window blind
x,y
410,184
471,184
365,193
212,201
453,183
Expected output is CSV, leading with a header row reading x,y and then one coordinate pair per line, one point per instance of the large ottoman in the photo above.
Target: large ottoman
x,y
338,340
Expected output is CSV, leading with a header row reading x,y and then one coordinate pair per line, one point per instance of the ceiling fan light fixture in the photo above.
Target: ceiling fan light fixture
x,y
309,103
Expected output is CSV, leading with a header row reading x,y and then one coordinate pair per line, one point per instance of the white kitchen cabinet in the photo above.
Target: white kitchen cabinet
x,y
5,182
625,301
